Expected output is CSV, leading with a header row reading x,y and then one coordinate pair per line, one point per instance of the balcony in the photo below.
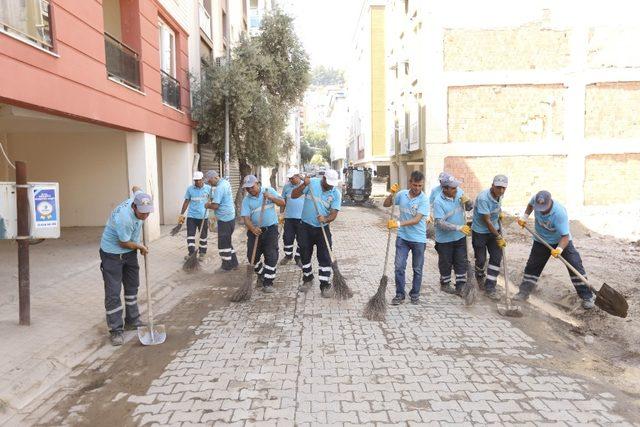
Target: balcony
x,y
205,21
170,90
123,63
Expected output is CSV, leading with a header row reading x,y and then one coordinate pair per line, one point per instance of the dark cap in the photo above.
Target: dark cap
x,y
542,201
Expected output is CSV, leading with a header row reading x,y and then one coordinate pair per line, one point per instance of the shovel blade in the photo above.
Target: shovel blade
x,y
509,310
612,301
152,337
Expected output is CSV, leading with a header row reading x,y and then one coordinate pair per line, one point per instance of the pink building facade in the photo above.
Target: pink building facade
x,y
97,91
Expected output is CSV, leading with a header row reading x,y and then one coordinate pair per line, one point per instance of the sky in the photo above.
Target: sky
x,y
326,28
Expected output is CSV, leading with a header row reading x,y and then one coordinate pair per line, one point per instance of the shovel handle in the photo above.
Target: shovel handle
x,y
324,234
146,282
569,266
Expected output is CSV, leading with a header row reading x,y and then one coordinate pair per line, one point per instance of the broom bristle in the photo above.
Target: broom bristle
x,y
175,230
192,263
244,293
470,291
340,287
376,308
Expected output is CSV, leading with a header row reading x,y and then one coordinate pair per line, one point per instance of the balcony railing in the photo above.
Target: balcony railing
x,y
170,90
123,63
30,24
205,21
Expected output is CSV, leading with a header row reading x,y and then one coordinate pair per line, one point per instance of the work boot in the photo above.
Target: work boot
x,y
520,296
589,303
415,300
459,290
202,256
259,280
299,263
481,282
448,288
325,292
285,260
268,289
305,286
134,325
117,338
397,300
492,294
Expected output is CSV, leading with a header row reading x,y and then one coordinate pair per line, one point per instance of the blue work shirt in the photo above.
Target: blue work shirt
x,y
223,197
197,198
449,210
122,226
552,226
294,206
437,190
486,205
326,201
410,207
251,206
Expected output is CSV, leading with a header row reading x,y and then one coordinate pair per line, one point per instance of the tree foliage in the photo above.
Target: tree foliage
x,y
267,76
306,153
326,76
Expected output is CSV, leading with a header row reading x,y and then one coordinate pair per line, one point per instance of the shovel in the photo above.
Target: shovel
x,y
607,298
507,309
150,334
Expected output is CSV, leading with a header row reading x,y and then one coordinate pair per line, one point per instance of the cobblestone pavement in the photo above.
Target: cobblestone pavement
x,y
293,358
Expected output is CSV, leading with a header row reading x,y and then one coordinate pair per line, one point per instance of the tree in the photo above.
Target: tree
x,y
325,152
306,153
317,159
267,76
316,138
325,76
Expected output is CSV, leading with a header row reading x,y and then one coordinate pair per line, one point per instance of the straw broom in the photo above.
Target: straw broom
x,y
192,263
376,308
245,291
339,285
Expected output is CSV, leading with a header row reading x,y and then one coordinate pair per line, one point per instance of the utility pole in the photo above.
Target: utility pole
x,y
227,172
22,201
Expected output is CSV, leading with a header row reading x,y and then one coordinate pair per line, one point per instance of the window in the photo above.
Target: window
x,y
167,49
170,85
28,20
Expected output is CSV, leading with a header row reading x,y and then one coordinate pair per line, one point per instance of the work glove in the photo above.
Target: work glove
x,y
556,252
501,242
180,219
522,221
281,220
464,199
392,223
430,220
394,188
465,229
501,216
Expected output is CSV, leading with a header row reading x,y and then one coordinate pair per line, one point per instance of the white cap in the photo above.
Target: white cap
x,y
332,177
197,175
292,172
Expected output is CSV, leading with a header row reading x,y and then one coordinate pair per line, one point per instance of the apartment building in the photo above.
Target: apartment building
x,y
366,84
546,92
95,95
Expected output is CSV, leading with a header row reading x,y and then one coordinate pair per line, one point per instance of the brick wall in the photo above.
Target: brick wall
x,y
611,179
524,48
504,113
527,175
612,110
609,47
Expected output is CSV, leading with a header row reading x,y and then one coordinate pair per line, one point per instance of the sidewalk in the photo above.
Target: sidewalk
x,y
67,309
